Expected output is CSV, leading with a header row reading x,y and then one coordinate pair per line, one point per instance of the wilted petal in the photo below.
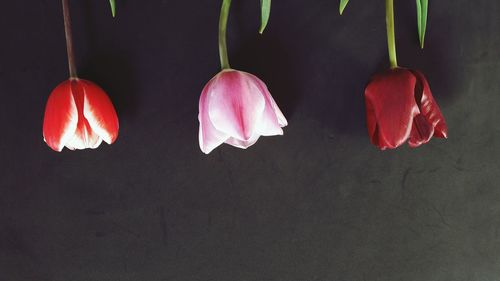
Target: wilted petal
x,y
99,111
429,108
209,137
390,107
421,131
234,104
61,117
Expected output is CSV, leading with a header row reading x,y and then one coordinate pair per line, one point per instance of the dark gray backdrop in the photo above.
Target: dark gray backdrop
x,y
320,203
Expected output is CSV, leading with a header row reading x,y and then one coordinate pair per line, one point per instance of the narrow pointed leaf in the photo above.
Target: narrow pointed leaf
x,y
422,7
112,3
265,6
343,4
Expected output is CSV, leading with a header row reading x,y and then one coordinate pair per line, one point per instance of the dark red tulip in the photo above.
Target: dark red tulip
x,y
400,108
79,115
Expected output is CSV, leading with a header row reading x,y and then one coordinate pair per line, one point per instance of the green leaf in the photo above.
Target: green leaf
x,y
113,7
422,7
343,4
265,6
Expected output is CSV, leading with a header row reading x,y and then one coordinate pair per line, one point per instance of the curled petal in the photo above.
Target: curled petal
x,y
421,131
429,108
61,117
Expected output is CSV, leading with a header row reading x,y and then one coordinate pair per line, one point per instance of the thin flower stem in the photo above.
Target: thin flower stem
x,y
224,13
391,40
69,39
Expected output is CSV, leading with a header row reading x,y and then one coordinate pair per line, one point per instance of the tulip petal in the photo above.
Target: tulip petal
x,y
269,100
235,107
429,108
272,118
84,137
61,117
421,131
244,144
268,125
390,107
100,112
209,137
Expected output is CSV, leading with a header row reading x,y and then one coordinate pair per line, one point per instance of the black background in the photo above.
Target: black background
x,y
319,203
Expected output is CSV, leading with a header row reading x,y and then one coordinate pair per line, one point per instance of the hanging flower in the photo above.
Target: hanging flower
x,y
236,107
400,108
399,103
78,113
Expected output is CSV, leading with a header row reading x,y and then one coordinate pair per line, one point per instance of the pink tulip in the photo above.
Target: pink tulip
x,y
79,115
237,108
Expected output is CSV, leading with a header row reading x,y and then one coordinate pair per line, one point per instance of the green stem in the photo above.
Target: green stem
x,y
69,39
224,13
391,40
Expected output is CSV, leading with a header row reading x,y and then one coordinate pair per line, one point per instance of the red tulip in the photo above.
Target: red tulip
x,y
236,108
79,115
400,107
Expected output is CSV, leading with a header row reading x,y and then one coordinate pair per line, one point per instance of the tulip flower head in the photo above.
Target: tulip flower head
x,y
236,108
78,114
399,102
400,107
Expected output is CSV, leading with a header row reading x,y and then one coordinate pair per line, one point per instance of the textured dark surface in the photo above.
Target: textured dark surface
x,y
320,203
